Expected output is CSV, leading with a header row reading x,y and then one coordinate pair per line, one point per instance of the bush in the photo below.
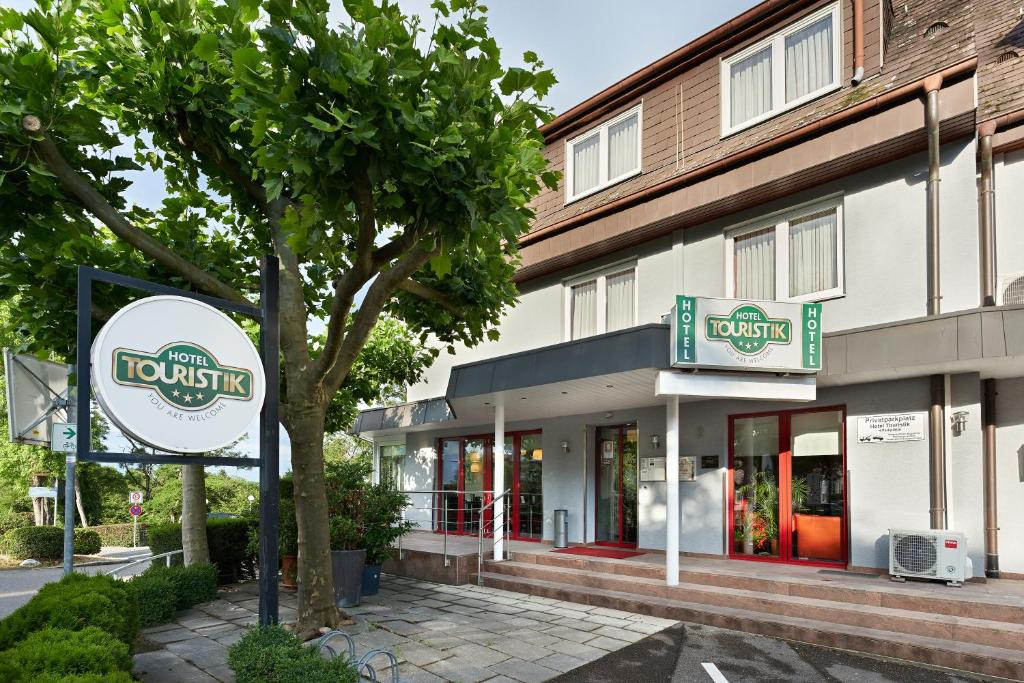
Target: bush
x,y
36,542
156,597
14,519
191,585
59,651
228,540
74,603
119,534
87,542
270,653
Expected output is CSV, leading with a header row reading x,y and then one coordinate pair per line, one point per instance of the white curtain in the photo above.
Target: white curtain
x,y
809,59
812,253
755,265
751,86
585,164
584,310
622,147
620,300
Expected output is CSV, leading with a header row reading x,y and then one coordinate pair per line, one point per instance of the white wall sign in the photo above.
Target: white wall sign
x,y
687,468
746,335
652,469
177,374
41,492
64,438
891,428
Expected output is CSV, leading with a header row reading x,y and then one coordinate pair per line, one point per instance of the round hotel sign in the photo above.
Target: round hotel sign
x,y
177,374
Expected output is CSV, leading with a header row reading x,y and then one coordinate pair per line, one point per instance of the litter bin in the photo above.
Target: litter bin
x,y
561,528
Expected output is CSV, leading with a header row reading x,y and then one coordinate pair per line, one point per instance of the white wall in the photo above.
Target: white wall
x,y
1009,182
965,504
1010,472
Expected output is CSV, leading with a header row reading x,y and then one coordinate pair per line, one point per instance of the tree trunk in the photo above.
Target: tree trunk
x,y
193,514
40,509
78,504
317,607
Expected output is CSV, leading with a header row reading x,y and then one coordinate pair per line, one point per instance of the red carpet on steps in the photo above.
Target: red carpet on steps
x,y
600,552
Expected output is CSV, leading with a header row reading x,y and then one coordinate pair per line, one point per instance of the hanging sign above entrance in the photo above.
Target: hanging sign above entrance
x,y
177,374
746,335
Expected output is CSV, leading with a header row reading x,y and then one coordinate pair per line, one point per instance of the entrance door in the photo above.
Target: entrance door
x,y
616,477
788,486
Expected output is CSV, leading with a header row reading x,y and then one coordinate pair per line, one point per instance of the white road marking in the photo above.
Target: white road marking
x,y
715,674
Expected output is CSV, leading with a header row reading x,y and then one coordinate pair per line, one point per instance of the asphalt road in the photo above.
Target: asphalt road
x,y
679,654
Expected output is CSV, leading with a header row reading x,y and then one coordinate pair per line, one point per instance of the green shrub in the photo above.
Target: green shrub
x,y
119,534
35,542
192,585
14,519
59,651
87,542
228,540
73,603
270,653
163,538
156,597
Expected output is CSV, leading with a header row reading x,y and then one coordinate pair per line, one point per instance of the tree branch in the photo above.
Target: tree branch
x,y
98,206
432,295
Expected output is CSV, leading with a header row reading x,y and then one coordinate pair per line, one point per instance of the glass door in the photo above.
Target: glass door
x,y
475,479
528,498
788,486
616,485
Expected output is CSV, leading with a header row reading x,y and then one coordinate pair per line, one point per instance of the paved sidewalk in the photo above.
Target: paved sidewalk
x,y
438,632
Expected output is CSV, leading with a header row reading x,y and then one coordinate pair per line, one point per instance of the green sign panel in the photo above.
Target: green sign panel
x,y
748,329
185,375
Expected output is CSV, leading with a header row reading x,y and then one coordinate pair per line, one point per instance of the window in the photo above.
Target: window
x,y
601,302
390,464
603,156
793,256
782,71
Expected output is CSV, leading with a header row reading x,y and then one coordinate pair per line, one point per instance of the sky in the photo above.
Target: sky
x,y
589,44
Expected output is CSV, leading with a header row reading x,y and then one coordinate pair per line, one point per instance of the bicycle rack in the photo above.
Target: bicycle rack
x,y
362,665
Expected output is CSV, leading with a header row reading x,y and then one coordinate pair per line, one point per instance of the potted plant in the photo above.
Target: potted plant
x,y
383,526
288,543
346,484
763,495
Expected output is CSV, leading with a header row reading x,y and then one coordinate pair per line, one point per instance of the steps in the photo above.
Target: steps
x,y
974,632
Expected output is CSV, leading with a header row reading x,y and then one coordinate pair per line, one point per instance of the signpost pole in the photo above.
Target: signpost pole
x,y
82,414
270,492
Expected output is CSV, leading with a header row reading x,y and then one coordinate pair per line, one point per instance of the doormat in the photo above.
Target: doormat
x,y
600,552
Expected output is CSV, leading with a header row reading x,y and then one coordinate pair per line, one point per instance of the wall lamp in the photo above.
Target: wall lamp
x,y
959,422
655,441
565,446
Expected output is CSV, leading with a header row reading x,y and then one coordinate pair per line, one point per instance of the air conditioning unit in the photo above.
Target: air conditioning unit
x,y
932,554
1011,290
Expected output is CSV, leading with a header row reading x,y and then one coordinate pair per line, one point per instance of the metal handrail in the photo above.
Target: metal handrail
x,y
149,558
483,522
446,508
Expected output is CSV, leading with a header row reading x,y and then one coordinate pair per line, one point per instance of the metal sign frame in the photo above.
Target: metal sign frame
x,y
58,400
268,461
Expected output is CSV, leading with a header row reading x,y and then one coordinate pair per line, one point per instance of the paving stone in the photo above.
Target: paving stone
x,y
499,608
521,650
222,673
616,613
207,659
657,621
403,628
230,638
606,643
159,627
408,673
441,641
527,672
378,638
481,655
522,621
197,644
171,635
161,666
644,628
561,662
463,609
455,669
570,634
431,602
218,630
602,620
541,639
419,654
579,650
577,623
618,634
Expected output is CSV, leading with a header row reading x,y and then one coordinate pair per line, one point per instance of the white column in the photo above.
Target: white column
x,y
499,481
672,489
375,476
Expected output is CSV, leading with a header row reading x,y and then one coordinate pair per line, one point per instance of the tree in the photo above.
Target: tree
x,y
368,156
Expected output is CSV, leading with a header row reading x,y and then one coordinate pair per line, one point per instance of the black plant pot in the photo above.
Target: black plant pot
x,y
347,567
371,579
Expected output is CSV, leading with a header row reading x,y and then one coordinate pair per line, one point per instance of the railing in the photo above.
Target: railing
x,y
148,558
497,538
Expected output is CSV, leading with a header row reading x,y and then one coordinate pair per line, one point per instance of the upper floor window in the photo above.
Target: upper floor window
x,y
603,156
782,71
793,256
601,302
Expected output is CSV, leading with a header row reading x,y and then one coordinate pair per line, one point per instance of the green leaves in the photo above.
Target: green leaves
x,y
206,47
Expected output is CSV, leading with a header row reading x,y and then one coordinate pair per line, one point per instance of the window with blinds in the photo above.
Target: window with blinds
x,y
603,156
794,256
601,302
782,71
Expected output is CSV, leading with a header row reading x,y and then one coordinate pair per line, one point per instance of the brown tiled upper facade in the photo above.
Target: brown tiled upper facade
x,y
681,111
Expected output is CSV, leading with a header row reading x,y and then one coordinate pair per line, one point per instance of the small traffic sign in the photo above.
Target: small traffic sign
x,y
135,510
135,497
64,438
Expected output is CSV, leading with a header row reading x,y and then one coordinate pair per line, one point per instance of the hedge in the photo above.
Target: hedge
x,y
119,534
76,602
190,585
47,542
59,651
87,542
13,519
156,598
270,653
228,540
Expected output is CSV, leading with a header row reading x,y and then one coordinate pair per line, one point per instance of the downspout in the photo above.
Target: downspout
x,y
858,42
989,473
986,199
936,425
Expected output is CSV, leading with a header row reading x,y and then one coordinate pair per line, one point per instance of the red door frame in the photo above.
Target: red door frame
x,y
785,500
597,484
488,472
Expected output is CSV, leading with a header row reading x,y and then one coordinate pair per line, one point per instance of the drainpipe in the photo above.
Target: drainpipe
x,y
936,425
989,472
987,201
858,42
